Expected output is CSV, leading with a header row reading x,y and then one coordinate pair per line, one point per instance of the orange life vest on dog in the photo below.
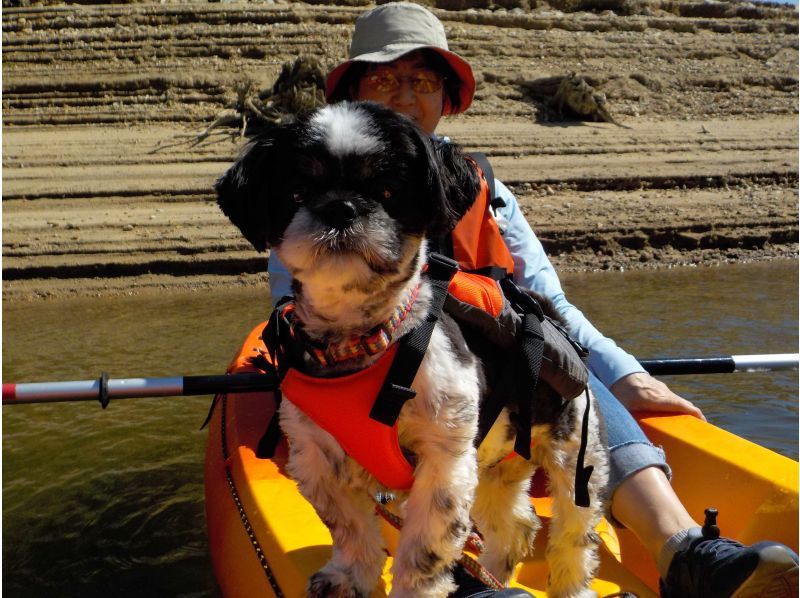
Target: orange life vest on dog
x,y
361,409
342,406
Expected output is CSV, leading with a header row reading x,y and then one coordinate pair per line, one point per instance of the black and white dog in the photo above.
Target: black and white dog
x,y
346,197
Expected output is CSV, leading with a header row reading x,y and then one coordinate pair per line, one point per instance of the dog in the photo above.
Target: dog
x,y
347,197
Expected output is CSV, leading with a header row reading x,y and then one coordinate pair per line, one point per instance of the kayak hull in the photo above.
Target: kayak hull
x,y
266,540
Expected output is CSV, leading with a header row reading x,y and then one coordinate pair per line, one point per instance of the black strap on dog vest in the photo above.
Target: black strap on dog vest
x,y
532,346
583,473
531,352
411,349
529,360
283,350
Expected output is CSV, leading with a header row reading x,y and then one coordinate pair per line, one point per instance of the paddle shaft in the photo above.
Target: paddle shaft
x,y
105,389
720,365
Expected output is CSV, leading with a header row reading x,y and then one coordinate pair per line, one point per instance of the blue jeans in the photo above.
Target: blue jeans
x,y
629,448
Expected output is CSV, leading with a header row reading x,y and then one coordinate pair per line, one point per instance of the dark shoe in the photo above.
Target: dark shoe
x,y
724,568
470,587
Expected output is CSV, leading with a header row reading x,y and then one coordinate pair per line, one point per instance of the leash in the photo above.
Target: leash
x,y
474,544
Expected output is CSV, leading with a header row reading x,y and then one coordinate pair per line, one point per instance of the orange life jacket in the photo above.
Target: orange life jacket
x,y
341,407
361,409
476,240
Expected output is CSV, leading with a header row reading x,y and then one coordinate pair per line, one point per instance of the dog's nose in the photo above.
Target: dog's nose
x,y
340,214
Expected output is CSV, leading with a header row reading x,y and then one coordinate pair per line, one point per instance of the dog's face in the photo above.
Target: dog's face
x,y
353,186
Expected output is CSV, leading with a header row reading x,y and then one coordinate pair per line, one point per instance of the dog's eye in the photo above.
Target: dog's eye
x,y
386,194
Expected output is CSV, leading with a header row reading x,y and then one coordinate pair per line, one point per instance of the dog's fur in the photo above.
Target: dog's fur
x,y
346,198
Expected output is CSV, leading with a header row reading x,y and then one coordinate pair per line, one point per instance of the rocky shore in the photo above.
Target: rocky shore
x,y
105,189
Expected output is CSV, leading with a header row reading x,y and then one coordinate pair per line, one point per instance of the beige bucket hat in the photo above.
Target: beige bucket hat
x,y
389,31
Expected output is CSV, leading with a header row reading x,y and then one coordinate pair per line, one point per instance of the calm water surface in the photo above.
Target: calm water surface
x,y
110,503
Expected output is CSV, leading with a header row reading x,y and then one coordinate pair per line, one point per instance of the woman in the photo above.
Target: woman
x,y
399,57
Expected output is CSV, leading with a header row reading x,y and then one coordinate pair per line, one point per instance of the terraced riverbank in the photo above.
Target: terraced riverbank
x,y
104,191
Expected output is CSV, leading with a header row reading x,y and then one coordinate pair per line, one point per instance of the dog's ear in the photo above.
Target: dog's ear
x,y
243,192
459,184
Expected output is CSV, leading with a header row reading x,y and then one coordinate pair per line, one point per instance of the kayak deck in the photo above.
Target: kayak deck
x,y
266,540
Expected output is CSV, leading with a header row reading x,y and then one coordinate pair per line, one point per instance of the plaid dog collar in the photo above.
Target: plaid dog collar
x,y
373,342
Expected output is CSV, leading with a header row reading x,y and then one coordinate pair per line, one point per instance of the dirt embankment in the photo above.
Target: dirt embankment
x,y
103,190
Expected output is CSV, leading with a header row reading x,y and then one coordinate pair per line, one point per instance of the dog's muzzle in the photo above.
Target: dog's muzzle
x,y
337,213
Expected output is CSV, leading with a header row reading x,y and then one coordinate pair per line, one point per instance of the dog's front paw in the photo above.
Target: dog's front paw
x,y
331,583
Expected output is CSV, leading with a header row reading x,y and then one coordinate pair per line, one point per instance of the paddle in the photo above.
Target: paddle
x,y
721,365
104,389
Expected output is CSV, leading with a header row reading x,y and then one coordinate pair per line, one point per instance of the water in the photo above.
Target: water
x,y
99,503
737,310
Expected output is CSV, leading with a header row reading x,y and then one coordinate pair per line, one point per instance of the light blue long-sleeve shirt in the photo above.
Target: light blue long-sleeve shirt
x,y
533,270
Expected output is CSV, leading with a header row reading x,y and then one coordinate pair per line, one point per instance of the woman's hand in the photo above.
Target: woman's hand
x,y
642,392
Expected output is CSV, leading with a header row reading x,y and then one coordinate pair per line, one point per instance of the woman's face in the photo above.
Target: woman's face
x,y
408,86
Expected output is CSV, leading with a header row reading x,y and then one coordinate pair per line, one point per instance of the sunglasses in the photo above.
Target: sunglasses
x,y
421,81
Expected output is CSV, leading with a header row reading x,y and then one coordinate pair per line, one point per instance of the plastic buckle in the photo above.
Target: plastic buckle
x,y
520,300
441,267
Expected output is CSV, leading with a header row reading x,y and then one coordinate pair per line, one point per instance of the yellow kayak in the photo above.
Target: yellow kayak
x,y
266,540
